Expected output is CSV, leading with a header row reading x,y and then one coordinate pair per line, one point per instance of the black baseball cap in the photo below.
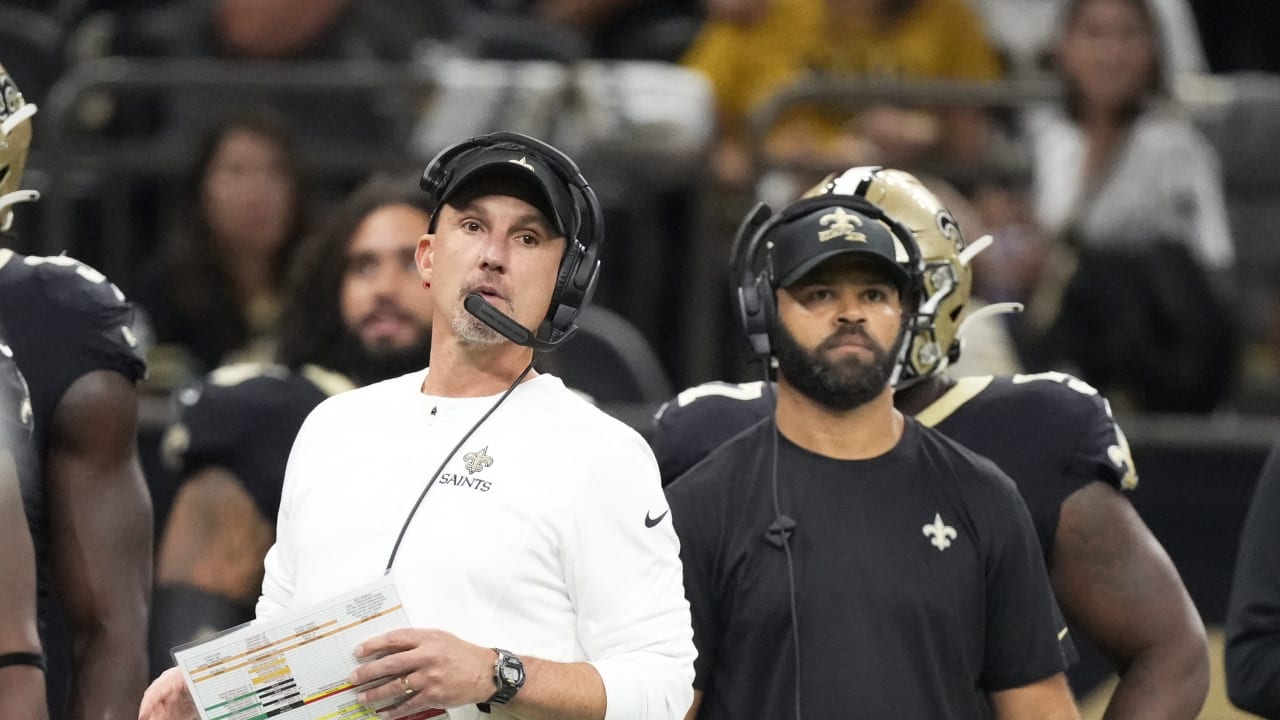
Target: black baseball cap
x,y
508,169
806,241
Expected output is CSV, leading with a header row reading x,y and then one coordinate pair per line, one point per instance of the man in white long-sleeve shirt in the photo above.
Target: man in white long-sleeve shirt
x,y
541,565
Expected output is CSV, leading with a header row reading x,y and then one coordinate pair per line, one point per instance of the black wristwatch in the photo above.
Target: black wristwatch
x,y
508,676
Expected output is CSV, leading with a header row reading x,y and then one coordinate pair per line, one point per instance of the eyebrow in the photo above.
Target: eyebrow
x,y
534,219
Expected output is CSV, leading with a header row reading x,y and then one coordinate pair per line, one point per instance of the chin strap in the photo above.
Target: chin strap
x,y
22,658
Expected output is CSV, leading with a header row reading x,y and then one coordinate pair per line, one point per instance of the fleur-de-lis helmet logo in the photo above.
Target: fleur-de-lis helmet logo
x,y
477,461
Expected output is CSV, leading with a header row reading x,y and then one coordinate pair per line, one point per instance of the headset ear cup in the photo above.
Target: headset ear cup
x,y
579,271
564,301
755,309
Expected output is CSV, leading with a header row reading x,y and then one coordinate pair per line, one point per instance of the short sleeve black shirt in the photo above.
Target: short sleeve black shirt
x,y
919,583
64,320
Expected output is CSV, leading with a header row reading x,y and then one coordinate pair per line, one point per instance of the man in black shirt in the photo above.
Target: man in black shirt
x,y
841,559
1053,434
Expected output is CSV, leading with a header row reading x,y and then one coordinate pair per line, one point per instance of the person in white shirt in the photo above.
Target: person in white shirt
x,y
537,557
1119,164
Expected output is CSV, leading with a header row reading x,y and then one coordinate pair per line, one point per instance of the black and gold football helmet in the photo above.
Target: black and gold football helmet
x,y
15,140
935,335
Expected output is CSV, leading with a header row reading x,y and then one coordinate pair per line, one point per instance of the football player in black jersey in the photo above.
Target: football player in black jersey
x,y
355,313
88,507
1051,433
21,660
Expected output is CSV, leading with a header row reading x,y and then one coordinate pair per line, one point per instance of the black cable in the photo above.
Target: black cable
x,y
784,534
405,527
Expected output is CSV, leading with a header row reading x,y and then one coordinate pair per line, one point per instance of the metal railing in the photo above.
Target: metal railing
x,y
67,152
850,94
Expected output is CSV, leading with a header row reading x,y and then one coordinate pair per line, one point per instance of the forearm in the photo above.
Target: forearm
x,y
1170,680
22,693
108,601
110,673
560,691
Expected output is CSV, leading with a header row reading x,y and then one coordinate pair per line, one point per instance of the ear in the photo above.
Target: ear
x,y
422,257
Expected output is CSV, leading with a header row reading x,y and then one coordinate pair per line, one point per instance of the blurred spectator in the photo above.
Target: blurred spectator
x,y
215,289
1253,614
1119,164
907,39
1132,194
355,313
1023,30
277,29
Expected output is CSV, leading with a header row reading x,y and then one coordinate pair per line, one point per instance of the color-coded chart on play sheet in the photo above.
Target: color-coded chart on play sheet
x,y
294,666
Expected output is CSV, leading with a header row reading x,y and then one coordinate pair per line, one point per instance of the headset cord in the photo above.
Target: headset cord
x,y
422,496
786,544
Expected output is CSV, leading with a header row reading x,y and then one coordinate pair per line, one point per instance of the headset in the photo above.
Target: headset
x,y
579,268
753,293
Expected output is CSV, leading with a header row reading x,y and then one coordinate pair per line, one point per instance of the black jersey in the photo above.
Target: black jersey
x,y
63,320
1050,432
243,418
918,580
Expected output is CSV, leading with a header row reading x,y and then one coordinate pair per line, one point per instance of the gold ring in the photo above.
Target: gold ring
x,y
404,685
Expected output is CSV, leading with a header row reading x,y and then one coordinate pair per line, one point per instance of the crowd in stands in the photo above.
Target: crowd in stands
x,y
1116,172
1109,208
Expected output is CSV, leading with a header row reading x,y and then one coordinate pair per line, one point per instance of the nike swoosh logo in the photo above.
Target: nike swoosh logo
x,y
651,521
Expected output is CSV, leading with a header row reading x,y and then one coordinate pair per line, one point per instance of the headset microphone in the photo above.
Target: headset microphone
x,y
510,329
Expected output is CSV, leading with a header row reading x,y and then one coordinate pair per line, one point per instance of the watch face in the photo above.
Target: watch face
x,y
510,675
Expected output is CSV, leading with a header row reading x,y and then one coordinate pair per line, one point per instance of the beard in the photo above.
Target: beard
x,y
367,365
836,384
472,330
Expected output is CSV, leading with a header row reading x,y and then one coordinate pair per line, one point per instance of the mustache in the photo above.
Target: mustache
x,y
851,330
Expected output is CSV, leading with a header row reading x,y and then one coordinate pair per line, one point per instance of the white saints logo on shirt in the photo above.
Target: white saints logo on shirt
x,y
477,461
942,534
